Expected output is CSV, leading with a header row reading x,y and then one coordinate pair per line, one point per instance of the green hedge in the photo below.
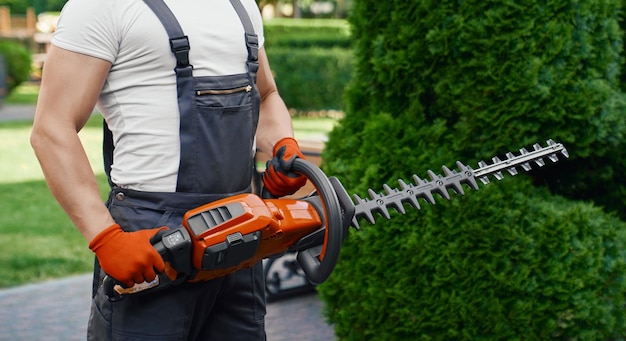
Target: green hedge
x,y
20,6
311,60
311,78
436,82
18,63
543,268
307,33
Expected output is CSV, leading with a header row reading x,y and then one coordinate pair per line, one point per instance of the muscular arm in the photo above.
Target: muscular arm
x,y
274,119
69,90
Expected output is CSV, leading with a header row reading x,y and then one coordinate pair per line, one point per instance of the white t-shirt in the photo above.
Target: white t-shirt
x,y
139,99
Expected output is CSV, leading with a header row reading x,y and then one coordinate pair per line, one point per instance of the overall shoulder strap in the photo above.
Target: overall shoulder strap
x,y
252,40
179,42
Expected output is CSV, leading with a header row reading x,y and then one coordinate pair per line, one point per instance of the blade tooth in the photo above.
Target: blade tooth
x,y
540,162
461,167
512,170
384,211
555,145
526,166
523,151
369,217
426,194
537,146
484,179
498,175
418,181
355,223
496,159
403,184
447,171
445,194
412,200
398,206
457,187
373,194
380,204
358,199
441,189
429,197
510,155
482,164
471,181
553,157
389,190
432,175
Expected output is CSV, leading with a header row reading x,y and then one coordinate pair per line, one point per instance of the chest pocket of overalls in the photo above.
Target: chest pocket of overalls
x,y
224,133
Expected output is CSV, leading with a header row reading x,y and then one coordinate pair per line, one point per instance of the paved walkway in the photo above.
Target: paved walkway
x,y
16,112
58,310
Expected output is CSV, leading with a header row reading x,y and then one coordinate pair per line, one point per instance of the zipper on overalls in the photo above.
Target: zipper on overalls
x,y
246,88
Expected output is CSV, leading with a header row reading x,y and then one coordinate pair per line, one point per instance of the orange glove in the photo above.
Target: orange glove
x,y
128,257
278,178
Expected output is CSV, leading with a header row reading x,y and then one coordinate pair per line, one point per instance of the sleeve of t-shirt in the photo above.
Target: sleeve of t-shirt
x,y
88,27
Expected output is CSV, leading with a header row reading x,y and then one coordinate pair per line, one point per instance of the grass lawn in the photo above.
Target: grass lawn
x,y
24,94
38,242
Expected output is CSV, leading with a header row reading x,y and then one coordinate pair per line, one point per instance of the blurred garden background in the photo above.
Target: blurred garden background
x,y
396,88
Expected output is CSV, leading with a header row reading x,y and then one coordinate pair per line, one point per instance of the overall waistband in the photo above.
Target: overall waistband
x,y
170,201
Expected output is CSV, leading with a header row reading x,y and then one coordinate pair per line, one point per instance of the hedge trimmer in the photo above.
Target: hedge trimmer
x,y
236,232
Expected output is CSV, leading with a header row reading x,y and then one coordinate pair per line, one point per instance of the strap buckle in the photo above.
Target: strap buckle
x,y
180,48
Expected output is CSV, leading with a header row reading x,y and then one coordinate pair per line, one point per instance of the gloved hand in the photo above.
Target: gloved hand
x,y
128,257
278,178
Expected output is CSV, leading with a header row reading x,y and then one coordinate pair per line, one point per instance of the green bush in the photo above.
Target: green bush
x,y
540,269
307,33
20,6
436,82
311,78
18,63
311,61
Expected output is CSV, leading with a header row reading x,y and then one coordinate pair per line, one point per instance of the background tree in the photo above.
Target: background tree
x,y
437,82
20,6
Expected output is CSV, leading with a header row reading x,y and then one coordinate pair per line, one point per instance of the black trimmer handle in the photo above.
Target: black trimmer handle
x,y
319,264
174,246
108,285
115,290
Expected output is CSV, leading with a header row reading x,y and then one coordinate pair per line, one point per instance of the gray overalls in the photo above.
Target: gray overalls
x,y
218,119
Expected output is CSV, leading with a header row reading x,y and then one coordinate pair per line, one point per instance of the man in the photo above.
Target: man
x,y
183,126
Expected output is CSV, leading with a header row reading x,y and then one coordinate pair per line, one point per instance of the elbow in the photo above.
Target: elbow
x,y
35,138
38,138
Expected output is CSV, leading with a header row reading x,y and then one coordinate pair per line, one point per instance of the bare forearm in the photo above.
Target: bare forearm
x,y
274,119
274,123
70,178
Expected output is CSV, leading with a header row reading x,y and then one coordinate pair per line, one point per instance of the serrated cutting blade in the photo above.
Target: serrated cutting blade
x,y
452,180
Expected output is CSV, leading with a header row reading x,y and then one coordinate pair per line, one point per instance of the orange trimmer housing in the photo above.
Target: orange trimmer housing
x,y
238,231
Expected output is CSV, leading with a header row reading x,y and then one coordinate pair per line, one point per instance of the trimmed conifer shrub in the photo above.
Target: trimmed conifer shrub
x,y
311,61
437,82
311,78
17,62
